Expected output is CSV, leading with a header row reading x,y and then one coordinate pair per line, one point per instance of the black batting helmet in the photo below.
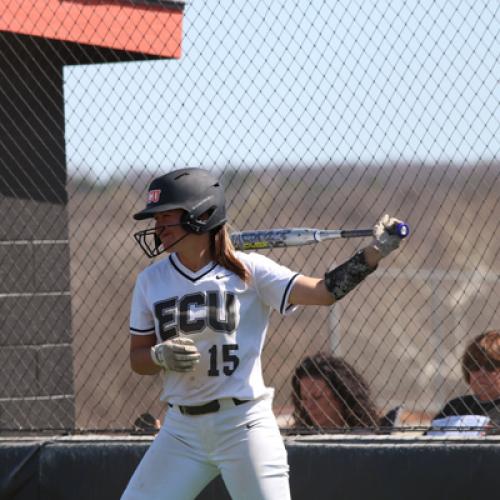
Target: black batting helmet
x,y
194,190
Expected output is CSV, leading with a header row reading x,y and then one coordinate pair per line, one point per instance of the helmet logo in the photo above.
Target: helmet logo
x,y
154,196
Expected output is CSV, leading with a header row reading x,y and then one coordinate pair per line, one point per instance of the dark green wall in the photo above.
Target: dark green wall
x,y
387,468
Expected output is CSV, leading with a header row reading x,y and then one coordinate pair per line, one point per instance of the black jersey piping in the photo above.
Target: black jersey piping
x,y
142,331
292,279
186,275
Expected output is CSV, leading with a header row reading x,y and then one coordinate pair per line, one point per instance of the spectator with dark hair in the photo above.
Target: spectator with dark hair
x,y
481,372
328,393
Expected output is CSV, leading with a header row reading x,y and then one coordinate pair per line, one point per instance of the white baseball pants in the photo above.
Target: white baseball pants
x,y
242,443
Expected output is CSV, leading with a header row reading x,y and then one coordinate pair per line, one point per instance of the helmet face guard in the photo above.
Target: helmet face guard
x,y
199,194
150,242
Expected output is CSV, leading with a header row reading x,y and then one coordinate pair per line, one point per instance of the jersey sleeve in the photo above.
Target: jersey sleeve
x,y
273,282
141,317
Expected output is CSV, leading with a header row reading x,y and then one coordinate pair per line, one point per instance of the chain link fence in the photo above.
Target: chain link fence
x,y
314,115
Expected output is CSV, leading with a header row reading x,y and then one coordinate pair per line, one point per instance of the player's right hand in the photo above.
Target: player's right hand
x,y
383,239
178,354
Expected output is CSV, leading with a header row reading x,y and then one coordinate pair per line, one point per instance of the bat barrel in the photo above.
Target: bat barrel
x,y
272,238
279,238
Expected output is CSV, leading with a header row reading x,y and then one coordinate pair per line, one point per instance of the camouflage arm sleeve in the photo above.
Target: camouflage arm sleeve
x,y
341,280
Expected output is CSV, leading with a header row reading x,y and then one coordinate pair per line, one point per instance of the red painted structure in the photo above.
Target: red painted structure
x,y
149,27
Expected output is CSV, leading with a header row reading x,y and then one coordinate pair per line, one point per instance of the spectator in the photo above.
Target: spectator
x,y
481,372
328,393
146,424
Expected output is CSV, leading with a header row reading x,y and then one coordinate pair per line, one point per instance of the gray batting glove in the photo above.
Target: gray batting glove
x,y
383,240
178,354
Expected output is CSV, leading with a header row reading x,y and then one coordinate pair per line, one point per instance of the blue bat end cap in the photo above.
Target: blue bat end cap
x,y
402,230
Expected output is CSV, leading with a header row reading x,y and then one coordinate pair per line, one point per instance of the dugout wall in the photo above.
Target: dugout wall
x,y
37,39
349,468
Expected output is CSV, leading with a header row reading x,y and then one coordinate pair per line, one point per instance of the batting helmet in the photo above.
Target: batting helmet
x,y
193,190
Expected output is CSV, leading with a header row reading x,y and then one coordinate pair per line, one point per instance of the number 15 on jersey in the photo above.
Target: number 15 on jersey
x,y
225,359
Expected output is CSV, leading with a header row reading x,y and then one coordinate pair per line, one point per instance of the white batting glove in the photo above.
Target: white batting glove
x,y
383,241
178,354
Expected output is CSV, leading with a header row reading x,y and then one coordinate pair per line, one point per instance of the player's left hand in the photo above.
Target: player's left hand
x,y
383,239
178,354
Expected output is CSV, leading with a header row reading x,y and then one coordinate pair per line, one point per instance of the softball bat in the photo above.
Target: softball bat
x,y
291,237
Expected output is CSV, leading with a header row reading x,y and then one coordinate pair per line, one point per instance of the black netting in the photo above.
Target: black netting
x,y
314,115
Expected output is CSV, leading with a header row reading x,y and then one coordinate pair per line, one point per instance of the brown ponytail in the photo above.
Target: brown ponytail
x,y
223,253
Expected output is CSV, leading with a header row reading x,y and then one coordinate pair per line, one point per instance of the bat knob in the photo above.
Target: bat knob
x,y
400,229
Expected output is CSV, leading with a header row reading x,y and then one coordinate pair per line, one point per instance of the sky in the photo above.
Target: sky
x,y
265,83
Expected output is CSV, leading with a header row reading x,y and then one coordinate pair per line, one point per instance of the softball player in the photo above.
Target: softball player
x,y
200,316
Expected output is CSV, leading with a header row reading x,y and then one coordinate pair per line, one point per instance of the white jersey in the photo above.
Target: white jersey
x,y
226,318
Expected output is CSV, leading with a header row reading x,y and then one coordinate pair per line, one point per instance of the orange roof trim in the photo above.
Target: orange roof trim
x,y
147,26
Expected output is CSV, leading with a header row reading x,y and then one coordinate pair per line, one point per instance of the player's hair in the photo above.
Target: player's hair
x,y
482,352
347,385
223,253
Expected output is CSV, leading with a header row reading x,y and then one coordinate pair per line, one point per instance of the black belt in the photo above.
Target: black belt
x,y
212,407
